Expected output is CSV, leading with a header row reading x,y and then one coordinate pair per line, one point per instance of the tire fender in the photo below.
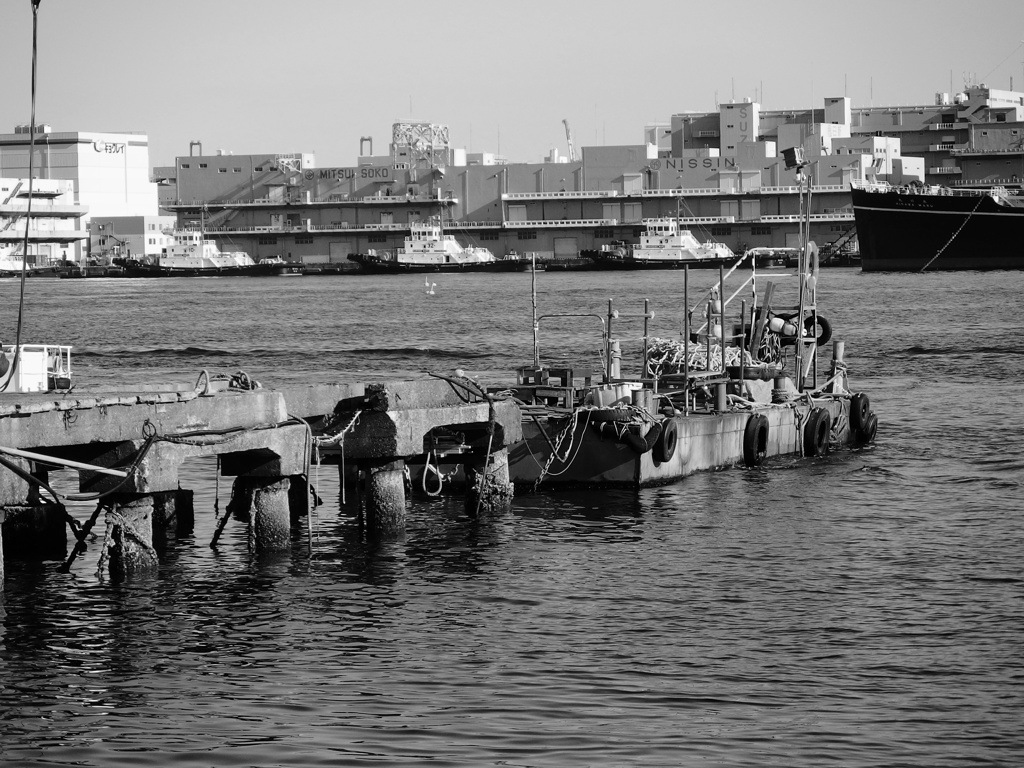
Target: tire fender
x,y
665,447
816,432
860,409
755,440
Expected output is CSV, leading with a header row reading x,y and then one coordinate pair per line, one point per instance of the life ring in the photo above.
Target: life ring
x,y
860,409
816,432
755,440
665,447
866,434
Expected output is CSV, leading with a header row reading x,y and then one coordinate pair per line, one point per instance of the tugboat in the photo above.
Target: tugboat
x,y
428,249
192,254
663,245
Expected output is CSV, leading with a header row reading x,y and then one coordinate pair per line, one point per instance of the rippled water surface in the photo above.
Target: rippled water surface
x,y
866,609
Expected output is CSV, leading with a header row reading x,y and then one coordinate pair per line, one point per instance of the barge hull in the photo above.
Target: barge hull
x,y
705,441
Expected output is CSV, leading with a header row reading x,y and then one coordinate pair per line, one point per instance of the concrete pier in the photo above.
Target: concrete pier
x,y
128,448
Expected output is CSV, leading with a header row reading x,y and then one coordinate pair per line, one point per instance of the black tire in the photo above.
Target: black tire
x,y
601,415
824,328
867,434
665,448
653,436
816,432
755,440
860,409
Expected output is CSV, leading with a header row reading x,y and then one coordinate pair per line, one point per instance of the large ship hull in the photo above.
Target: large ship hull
x,y
900,231
387,266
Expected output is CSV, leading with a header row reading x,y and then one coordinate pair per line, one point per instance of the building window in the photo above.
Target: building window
x,y
719,231
376,238
202,165
184,165
760,230
268,240
489,236
236,170
303,239
258,168
527,234
222,170
607,232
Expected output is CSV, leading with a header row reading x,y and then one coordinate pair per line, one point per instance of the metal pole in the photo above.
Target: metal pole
x,y
802,272
647,317
608,345
686,338
743,340
533,295
721,310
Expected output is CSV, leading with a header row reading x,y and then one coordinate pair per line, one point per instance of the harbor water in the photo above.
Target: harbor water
x,y
863,609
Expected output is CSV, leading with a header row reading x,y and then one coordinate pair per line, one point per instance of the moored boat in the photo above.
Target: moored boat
x,y
663,245
710,399
428,249
193,254
13,266
915,227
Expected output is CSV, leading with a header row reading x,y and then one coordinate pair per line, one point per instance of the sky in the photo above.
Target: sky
x,y
266,76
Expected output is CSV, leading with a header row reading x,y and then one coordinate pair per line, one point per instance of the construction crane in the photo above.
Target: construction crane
x,y
568,139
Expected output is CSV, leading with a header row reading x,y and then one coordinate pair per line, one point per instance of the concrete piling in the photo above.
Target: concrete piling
x,y
385,498
264,500
488,487
128,543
